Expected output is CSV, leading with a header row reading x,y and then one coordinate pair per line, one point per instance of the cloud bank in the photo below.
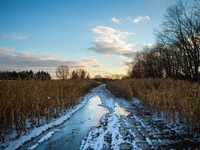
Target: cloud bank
x,y
13,60
109,41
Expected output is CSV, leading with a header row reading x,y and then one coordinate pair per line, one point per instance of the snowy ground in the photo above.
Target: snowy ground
x,y
14,144
127,125
131,125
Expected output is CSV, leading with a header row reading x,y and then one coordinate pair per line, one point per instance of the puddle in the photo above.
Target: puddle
x,y
72,132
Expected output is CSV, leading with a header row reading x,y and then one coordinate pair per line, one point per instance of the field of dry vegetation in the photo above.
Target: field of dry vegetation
x,y
37,101
178,100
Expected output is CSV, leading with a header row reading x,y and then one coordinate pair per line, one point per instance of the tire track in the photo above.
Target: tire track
x,y
140,129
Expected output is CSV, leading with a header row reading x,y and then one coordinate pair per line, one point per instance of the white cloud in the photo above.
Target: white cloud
x,y
110,41
14,36
138,19
12,60
91,62
115,20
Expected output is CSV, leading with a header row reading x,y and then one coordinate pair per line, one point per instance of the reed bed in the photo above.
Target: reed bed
x,y
179,101
37,102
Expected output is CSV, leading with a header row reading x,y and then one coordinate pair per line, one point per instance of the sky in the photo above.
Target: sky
x,y
100,36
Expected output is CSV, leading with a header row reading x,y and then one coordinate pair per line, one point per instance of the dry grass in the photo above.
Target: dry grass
x,y
37,101
168,96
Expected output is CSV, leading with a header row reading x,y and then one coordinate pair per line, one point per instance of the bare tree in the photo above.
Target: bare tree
x,y
79,74
136,67
180,38
62,72
177,52
146,63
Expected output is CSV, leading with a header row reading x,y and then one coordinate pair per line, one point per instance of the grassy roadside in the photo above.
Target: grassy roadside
x,y
168,96
37,101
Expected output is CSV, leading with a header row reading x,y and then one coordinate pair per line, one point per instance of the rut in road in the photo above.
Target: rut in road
x,y
131,125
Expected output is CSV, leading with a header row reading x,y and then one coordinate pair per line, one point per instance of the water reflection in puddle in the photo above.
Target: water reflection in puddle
x,y
75,129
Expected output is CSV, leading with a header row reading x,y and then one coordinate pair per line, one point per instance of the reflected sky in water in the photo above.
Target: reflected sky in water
x,y
73,130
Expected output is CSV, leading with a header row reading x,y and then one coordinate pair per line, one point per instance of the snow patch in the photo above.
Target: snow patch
x,y
44,138
107,135
11,145
33,147
119,111
47,136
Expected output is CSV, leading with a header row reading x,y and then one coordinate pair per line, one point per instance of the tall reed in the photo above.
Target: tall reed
x,y
37,101
179,99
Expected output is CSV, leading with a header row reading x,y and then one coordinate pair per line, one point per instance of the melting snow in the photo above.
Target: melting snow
x,y
39,130
107,135
130,125
47,136
44,138
119,111
33,147
127,125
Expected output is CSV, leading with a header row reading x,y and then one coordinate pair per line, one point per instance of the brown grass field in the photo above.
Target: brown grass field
x,y
37,101
164,95
40,101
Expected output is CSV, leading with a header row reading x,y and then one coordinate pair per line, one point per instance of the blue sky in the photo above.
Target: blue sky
x,y
99,36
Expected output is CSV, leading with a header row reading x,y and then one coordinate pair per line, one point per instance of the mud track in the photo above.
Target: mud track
x,y
131,125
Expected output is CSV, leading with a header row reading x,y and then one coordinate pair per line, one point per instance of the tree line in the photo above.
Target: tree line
x,y
24,75
63,72
176,53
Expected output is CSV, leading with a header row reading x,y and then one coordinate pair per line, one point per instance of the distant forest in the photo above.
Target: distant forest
x,y
24,75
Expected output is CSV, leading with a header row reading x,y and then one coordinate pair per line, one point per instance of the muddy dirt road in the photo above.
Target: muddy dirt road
x,y
131,125
107,122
